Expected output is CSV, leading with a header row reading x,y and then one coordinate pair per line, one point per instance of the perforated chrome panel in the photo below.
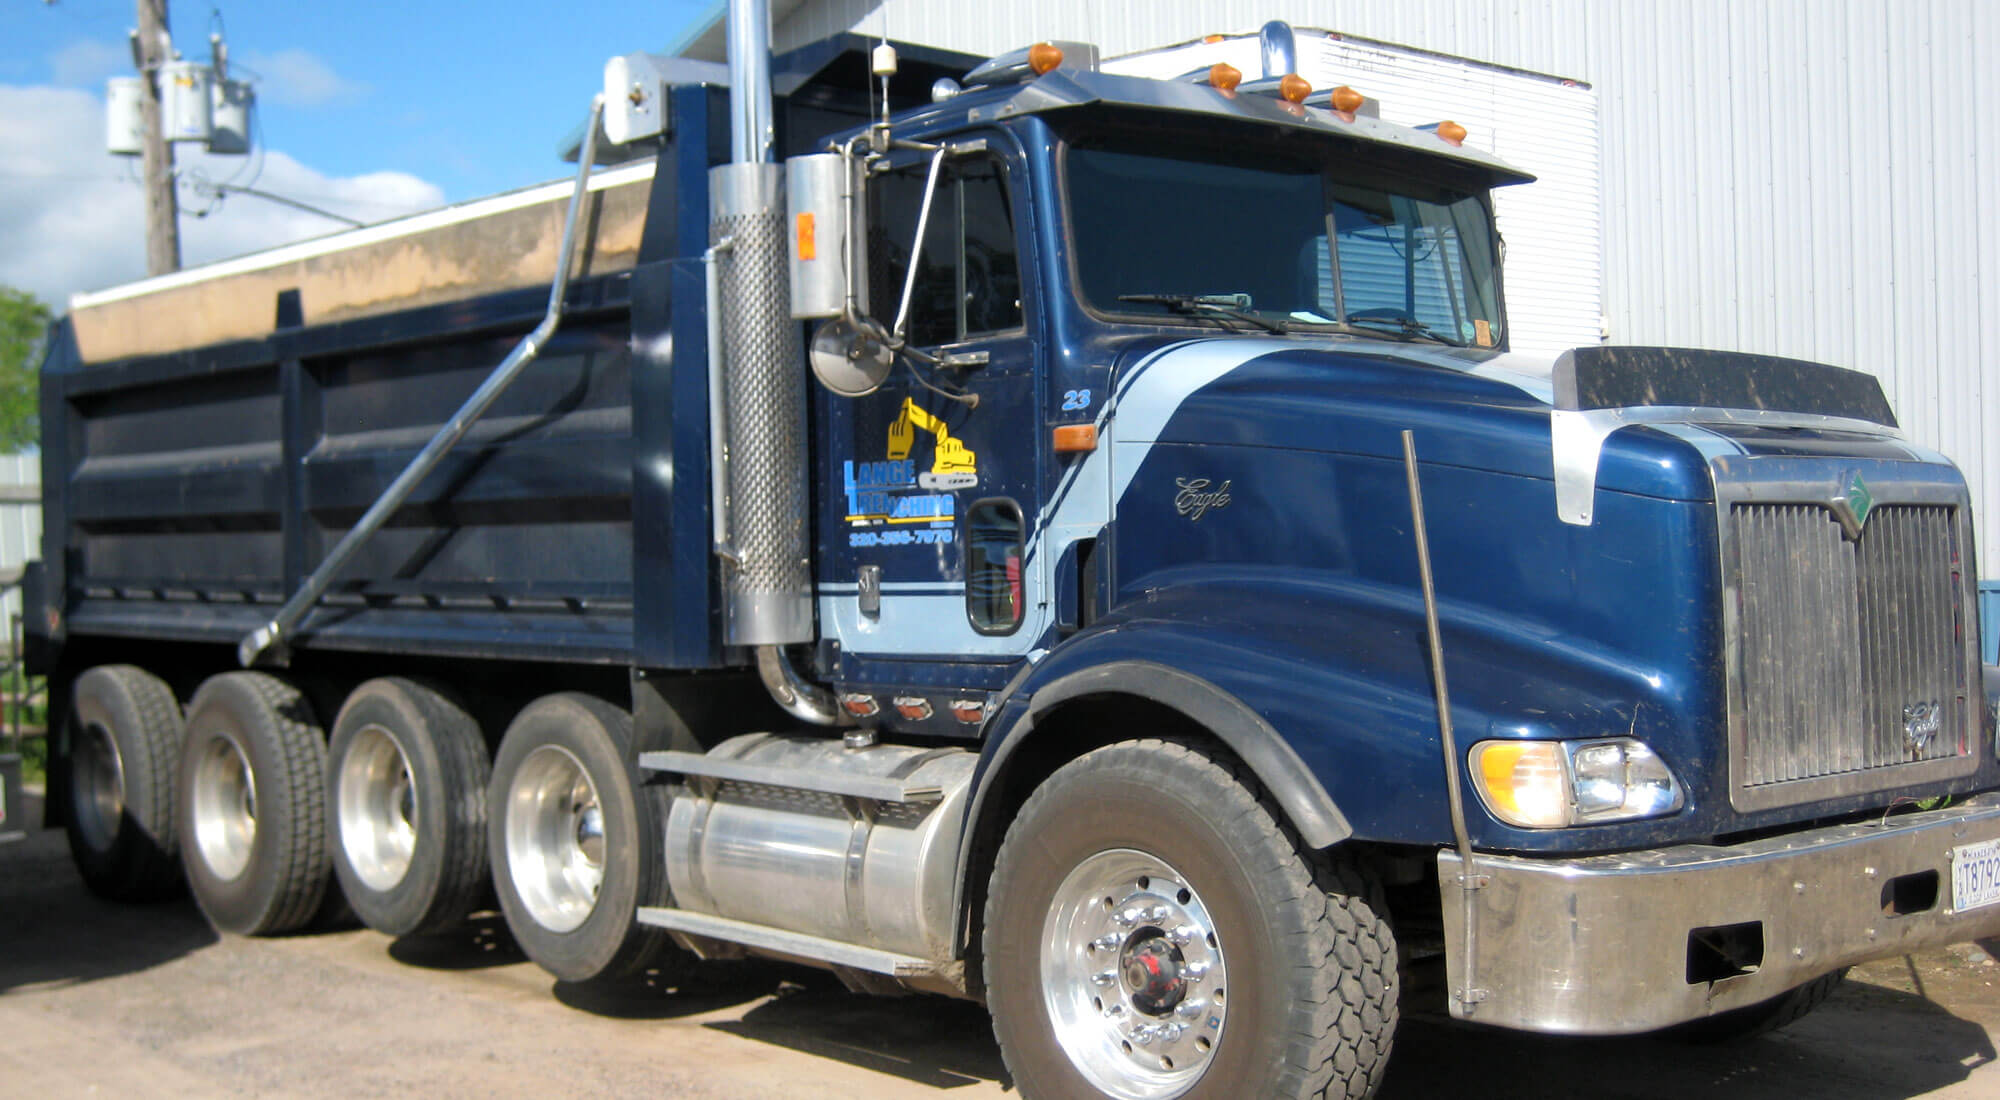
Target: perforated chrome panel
x,y
768,586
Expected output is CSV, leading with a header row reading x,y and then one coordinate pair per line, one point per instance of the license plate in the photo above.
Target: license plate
x,y
1975,875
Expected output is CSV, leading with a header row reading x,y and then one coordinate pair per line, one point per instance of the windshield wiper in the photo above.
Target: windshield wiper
x,y
1235,306
1409,327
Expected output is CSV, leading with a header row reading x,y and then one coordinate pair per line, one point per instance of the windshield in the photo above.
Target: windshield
x,y
1285,239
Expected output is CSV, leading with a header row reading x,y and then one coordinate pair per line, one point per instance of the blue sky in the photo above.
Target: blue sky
x,y
372,110
470,96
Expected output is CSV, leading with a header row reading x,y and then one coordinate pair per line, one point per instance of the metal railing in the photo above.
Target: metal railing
x,y
18,690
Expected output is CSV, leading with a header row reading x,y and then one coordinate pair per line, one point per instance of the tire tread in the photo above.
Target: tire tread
x,y
143,871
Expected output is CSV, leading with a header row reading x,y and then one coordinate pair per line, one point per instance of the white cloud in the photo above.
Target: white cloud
x,y
72,216
295,78
87,63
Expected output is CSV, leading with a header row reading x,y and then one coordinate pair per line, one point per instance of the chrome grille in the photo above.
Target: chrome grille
x,y
1842,642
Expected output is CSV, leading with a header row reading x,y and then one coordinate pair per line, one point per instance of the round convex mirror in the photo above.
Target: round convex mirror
x,y
851,360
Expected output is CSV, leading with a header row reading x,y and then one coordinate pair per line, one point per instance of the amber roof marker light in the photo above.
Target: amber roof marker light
x,y
1294,88
1224,76
1451,132
1043,57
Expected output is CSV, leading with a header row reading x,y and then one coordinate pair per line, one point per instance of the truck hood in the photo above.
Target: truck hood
x,y
1467,407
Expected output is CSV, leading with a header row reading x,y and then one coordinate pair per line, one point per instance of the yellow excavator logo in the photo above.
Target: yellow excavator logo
x,y
953,464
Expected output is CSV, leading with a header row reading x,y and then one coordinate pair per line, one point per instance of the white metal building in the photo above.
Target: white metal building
x,y
1811,178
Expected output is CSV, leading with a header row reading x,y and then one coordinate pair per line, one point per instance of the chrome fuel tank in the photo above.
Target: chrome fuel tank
x,y
806,835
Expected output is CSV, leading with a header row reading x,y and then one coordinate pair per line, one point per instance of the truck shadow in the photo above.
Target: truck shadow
x,y
479,943
1866,1043
689,990
56,933
928,1040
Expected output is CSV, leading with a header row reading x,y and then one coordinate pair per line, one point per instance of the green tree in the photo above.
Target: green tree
x,y
24,323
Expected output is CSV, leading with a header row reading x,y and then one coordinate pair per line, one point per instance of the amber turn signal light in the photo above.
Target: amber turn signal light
x,y
1347,100
1294,88
1452,132
808,242
1225,76
1074,438
1044,57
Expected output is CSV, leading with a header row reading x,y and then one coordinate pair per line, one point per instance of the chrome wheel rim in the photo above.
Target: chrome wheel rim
x,y
555,838
1133,976
224,797
97,786
377,809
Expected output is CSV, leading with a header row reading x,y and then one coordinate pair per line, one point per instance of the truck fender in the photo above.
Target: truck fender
x,y
1299,795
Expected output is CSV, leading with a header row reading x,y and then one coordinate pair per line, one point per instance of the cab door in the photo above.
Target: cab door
x,y
932,480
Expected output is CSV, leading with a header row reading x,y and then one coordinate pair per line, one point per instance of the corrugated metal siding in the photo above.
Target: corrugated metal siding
x,y
1794,177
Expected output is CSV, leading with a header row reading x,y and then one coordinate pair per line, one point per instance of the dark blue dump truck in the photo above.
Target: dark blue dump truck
x,y
1006,530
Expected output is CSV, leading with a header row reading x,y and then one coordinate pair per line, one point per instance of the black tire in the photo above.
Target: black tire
x,y
124,737
253,805
575,929
1751,1021
1300,939
407,766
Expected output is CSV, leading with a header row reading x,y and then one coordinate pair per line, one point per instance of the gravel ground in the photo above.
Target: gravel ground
x,y
147,1001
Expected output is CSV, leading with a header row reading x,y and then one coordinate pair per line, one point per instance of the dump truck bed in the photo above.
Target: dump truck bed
x,y
220,428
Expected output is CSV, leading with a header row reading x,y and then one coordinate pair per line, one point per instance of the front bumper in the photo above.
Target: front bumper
x,y
1623,943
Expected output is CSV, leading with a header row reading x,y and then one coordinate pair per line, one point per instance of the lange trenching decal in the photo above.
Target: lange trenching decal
x,y
880,502
953,465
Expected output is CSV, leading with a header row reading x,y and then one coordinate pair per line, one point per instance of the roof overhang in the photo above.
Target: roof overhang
x,y
1064,90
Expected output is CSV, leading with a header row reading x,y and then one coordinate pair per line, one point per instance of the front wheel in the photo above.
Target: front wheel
x,y
1152,931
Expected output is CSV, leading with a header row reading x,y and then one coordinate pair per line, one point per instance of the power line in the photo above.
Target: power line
x,y
219,190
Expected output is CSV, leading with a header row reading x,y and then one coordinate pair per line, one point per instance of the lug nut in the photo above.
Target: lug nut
x,y
1106,977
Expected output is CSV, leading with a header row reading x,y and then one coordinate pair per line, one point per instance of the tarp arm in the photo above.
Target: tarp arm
x,y
270,643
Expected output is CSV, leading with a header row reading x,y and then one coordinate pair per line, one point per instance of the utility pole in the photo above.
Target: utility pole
x,y
163,231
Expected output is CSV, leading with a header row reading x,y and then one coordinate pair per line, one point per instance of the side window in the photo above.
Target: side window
x,y
990,290
993,566
968,272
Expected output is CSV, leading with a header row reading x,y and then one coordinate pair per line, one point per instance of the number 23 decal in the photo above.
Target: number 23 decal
x,y
1076,399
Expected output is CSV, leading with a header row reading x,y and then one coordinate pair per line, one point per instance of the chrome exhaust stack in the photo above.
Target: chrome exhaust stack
x,y
766,574
763,525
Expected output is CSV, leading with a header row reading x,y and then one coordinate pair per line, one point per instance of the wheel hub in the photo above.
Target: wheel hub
x,y
1133,976
376,802
97,786
1153,974
224,796
555,838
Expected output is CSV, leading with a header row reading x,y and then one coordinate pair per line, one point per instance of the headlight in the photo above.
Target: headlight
x,y
1552,784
